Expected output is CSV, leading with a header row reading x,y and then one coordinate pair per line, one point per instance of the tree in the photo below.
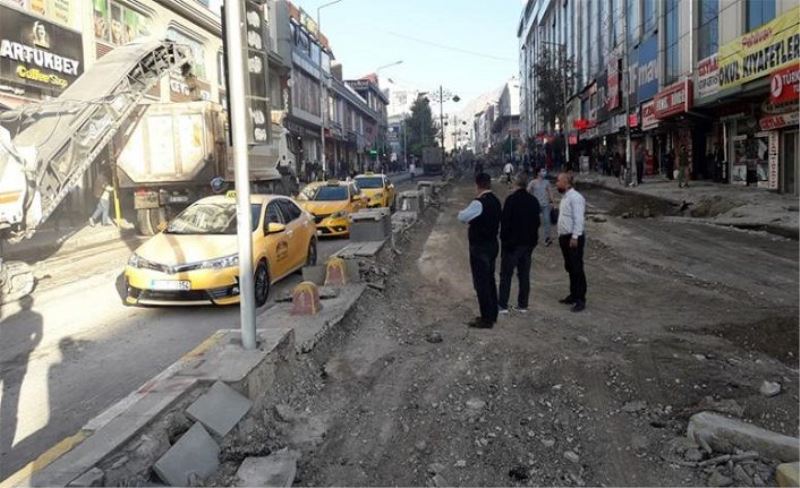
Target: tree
x,y
421,132
554,75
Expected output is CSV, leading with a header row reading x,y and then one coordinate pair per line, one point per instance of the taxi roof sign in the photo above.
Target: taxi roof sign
x,y
230,194
333,182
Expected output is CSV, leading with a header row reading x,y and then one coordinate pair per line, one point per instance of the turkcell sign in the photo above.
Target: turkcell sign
x,y
647,70
759,52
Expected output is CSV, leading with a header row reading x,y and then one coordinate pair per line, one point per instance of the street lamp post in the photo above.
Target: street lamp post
x,y
323,97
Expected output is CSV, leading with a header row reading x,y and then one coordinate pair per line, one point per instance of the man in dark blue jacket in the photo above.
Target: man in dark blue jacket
x,y
519,232
483,217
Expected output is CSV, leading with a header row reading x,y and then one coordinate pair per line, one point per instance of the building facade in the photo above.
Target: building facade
x,y
717,77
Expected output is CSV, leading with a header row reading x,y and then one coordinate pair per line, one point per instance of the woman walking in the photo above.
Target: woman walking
x,y
540,188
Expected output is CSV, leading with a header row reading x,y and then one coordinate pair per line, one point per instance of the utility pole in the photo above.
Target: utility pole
x,y
441,119
239,117
628,160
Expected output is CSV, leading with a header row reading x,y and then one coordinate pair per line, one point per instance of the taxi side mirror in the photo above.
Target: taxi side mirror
x,y
274,228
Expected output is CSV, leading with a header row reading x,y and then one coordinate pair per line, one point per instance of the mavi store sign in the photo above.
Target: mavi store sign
x,y
647,75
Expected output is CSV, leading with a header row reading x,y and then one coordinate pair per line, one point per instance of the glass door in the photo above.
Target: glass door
x,y
791,161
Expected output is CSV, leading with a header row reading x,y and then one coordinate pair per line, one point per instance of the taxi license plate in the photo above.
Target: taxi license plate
x,y
319,232
168,285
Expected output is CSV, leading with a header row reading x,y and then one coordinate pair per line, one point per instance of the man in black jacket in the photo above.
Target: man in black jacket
x,y
483,217
519,231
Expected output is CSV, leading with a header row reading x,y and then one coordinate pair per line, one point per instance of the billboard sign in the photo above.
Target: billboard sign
x,y
647,70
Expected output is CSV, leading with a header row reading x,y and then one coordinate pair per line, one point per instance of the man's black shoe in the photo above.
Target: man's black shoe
x,y
479,323
568,300
579,306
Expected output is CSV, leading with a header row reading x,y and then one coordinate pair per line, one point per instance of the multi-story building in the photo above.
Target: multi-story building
x,y
505,128
369,89
717,77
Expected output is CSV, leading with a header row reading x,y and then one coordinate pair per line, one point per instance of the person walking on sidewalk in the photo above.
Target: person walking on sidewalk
x,y
640,164
412,170
102,191
483,217
572,240
540,188
519,232
508,170
683,168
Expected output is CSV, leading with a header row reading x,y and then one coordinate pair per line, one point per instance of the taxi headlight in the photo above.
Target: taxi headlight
x,y
134,261
339,215
220,263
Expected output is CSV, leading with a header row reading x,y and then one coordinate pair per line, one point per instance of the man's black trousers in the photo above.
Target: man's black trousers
x,y
573,263
519,258
482,262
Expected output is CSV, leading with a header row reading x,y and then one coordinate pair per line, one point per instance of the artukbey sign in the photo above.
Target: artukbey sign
x,y
37,57
759,52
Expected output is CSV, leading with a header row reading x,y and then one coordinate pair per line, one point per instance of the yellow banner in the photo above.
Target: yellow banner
x,y
761,51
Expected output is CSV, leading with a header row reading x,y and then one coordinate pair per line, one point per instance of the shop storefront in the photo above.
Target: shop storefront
x,y
38,59
670,107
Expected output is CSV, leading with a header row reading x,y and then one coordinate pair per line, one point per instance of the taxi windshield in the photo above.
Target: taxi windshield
x,y
369,182
210,218
330,194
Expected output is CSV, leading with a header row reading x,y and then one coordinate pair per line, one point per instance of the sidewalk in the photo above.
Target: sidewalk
x,y
716,203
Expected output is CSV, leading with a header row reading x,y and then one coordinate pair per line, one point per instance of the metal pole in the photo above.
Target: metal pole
x,y
565,128
322,103
631,167
239,115
441,119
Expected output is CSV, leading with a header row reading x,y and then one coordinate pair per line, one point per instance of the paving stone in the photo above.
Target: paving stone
x,y
788,474
723,434
195,453
277,469
220,408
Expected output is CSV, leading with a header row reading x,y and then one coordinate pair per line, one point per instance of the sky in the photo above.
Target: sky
x,y
430,37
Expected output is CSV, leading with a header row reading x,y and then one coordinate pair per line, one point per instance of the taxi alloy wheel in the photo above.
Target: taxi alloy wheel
x,y
261,284
311,257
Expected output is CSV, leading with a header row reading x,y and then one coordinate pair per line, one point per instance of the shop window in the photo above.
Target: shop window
x,y
759,12
708,32
117,24
196,48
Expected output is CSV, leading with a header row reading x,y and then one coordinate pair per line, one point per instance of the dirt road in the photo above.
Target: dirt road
x,y
680,318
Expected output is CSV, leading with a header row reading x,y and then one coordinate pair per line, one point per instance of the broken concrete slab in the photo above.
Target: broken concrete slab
x,y
722,434
277,469
788,474
314,274
220,408
361,250
91,478
195,453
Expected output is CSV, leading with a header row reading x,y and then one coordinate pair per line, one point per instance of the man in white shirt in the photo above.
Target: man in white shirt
x,y
508,170
572,240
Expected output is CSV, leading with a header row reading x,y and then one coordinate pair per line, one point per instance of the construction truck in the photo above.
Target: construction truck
x,y
175,150
58,140
431,160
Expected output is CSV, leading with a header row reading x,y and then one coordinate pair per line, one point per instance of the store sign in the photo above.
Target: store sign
x,y
754,55
649,120
707,77
633,120
647,70
572,139
37,56
772,122
674,99
774,148
785,84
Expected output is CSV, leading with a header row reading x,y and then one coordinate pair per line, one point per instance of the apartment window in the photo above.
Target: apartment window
x,y
759,12
708,32
117,24
649,15
672,55
632,8
195,47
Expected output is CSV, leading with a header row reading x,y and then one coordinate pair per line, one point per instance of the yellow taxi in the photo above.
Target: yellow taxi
x,y
378,190
331,203
194,260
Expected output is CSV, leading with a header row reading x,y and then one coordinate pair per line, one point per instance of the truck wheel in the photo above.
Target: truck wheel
x,y
150,221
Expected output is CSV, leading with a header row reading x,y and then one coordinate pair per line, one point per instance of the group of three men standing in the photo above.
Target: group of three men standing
x,y
518,224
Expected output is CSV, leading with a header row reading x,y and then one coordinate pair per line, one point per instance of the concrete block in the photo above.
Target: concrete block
x,y
195,453
411,201
314,274
93,477
305,299
370,225
219,409
278,470
788,474
723,434
336,272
